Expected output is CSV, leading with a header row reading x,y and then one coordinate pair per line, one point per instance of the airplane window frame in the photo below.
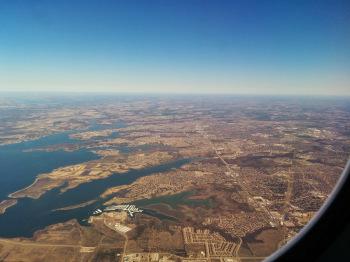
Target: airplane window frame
x,y
321,231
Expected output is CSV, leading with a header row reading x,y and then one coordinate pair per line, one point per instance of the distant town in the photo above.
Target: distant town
x,y
215,179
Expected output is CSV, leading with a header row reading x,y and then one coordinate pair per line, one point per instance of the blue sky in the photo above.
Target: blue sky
x,y
190,46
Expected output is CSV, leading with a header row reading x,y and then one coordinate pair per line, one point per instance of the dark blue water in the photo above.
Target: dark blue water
x,y
19,164
30,215
19,168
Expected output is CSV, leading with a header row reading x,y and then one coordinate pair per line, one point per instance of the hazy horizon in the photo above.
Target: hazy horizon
x,y
176,47
102,94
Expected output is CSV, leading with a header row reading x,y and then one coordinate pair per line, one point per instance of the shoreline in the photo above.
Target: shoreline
x,y
75,206
5,204
18,192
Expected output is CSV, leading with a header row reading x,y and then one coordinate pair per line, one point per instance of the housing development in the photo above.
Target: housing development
x,y
198,178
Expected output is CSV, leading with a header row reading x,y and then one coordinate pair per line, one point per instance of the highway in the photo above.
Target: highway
x,y
244,192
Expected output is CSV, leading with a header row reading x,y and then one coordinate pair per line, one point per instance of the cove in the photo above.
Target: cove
x,y
19,168
20,164
30,215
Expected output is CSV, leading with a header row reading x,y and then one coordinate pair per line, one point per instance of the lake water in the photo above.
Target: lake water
x,y
30,215
19,169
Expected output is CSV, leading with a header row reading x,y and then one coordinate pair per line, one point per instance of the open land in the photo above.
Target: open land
x,y
259,169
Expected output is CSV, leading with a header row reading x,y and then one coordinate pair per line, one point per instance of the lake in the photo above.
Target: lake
x,y
19,169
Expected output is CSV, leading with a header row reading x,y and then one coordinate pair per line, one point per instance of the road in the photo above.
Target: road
x,y
124,247
36,244
244,192
238,246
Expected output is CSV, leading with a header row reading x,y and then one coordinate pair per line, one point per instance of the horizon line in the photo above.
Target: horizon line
x,y
55,92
